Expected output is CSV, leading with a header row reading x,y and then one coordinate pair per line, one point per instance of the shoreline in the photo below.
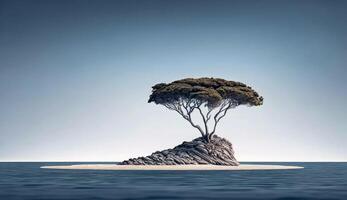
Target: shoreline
x,y
170,167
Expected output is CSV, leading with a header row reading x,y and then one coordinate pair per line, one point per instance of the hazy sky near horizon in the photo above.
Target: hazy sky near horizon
x,y
75,76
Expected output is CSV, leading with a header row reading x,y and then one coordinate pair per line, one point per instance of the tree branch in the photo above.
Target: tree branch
x,y
204,120
194,125
208,114
177,106
185,108
223,110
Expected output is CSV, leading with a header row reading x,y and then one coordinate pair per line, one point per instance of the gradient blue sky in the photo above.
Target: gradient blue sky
x,y
75,76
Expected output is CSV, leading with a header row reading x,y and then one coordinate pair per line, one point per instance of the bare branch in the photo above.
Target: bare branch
x,y
194,125
188,108
204,120
185,108
223,110
208,114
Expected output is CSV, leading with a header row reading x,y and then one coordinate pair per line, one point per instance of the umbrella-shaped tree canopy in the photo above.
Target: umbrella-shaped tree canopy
x,y
215,94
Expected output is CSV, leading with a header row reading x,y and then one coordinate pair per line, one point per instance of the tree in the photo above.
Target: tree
x,y
211,98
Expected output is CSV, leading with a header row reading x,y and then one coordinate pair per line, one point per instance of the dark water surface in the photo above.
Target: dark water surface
x,y
315,181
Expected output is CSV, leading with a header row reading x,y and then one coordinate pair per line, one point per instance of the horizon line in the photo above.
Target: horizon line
x,y
13,161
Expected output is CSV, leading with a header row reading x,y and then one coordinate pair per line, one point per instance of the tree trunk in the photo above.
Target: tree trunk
x,y
207,138
210,136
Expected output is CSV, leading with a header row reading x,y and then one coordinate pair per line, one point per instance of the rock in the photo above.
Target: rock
x,y
218,151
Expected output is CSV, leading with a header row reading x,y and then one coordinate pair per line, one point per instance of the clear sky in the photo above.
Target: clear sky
x,y
75,76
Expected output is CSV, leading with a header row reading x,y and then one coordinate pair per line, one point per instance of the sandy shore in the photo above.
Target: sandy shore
x,y
171,167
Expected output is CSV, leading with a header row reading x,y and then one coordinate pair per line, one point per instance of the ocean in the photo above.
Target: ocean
x,y
25,180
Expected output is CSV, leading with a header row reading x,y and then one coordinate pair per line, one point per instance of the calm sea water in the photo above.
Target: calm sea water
x,y
315,181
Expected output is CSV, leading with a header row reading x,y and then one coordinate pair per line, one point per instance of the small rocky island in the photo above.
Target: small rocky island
x,y
218,151
209,99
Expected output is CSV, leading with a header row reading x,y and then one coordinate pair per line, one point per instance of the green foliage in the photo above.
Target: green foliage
x,y
212,91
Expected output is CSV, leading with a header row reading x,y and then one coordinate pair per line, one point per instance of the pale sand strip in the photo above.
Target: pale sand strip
x,y
171,167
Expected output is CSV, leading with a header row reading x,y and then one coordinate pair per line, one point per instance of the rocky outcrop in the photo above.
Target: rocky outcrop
x,y
218,151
